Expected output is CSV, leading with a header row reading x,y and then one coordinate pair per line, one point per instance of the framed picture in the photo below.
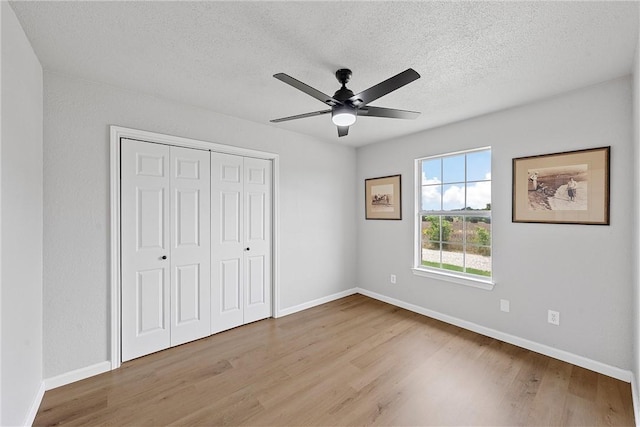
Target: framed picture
x,y
382,197
562,188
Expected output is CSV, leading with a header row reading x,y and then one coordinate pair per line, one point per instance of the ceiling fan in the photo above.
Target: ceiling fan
x,y
345,106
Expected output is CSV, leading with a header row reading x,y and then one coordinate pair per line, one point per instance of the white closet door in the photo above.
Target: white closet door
x,y
227,250
257,255
145,248
190,245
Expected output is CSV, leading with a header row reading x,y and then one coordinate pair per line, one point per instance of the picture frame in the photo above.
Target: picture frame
x,y
383,198
570,187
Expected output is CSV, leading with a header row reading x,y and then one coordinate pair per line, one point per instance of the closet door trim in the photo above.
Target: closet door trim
x,y
116,134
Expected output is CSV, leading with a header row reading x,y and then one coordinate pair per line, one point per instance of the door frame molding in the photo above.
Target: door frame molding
x,y
119,132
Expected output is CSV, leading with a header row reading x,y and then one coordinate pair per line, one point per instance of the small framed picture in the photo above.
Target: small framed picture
x,y
562,188
382,197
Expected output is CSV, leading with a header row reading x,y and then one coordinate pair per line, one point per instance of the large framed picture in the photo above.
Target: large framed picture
x,y
562,188
382,197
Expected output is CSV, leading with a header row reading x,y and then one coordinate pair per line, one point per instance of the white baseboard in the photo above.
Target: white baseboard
x,y
77,375
319,301
35,405
565,356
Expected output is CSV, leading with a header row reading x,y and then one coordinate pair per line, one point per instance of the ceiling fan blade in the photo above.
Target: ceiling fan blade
x,y
389,85
323,97
301,116
343,130
387,112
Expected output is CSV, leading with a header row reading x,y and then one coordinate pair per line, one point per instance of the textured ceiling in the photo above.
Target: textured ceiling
x,y
474,57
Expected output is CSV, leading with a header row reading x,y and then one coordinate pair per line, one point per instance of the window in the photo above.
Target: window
x,y
453,218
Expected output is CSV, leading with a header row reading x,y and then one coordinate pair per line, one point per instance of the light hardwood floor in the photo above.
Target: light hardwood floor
x,y
355,361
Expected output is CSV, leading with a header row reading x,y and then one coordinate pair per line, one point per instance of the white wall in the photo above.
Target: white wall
x,y
317,205
20,225
583,271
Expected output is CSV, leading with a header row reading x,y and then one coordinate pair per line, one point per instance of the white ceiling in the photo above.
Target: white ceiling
x,y
474,57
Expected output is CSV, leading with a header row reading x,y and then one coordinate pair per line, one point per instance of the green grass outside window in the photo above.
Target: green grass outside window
x,y
456,268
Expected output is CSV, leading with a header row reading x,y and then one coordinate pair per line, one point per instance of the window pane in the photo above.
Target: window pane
x,y
431,230
482,268
453,169
452,257
431,255
479,195
453,197
431,171
431,197
478,259
479,231
454,227
479,166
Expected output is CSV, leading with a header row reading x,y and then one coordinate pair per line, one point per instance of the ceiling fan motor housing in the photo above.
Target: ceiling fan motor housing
x,y
345,114
343,75
343,94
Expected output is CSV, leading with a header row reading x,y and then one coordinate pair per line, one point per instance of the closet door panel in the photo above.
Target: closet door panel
x,y
150,299
190,245
257,223
256,280
145,289
227,251
230,300
230,217
188,290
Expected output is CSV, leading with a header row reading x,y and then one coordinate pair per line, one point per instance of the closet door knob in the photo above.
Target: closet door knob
x,y
164,257
247,249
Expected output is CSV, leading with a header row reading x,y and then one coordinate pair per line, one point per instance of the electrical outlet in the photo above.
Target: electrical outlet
x,y
504,305
553,317
392,279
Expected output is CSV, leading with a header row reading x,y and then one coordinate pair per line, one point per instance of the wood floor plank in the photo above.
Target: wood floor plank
x,y
521,394
354,361
584,383
440,388
610,401
548,405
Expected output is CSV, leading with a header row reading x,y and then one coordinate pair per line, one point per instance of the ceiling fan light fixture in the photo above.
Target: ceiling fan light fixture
x,y
343,116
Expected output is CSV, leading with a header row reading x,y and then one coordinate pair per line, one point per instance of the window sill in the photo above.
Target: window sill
x,y
454,278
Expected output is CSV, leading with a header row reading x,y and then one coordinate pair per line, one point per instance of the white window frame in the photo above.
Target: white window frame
x,y
418,269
